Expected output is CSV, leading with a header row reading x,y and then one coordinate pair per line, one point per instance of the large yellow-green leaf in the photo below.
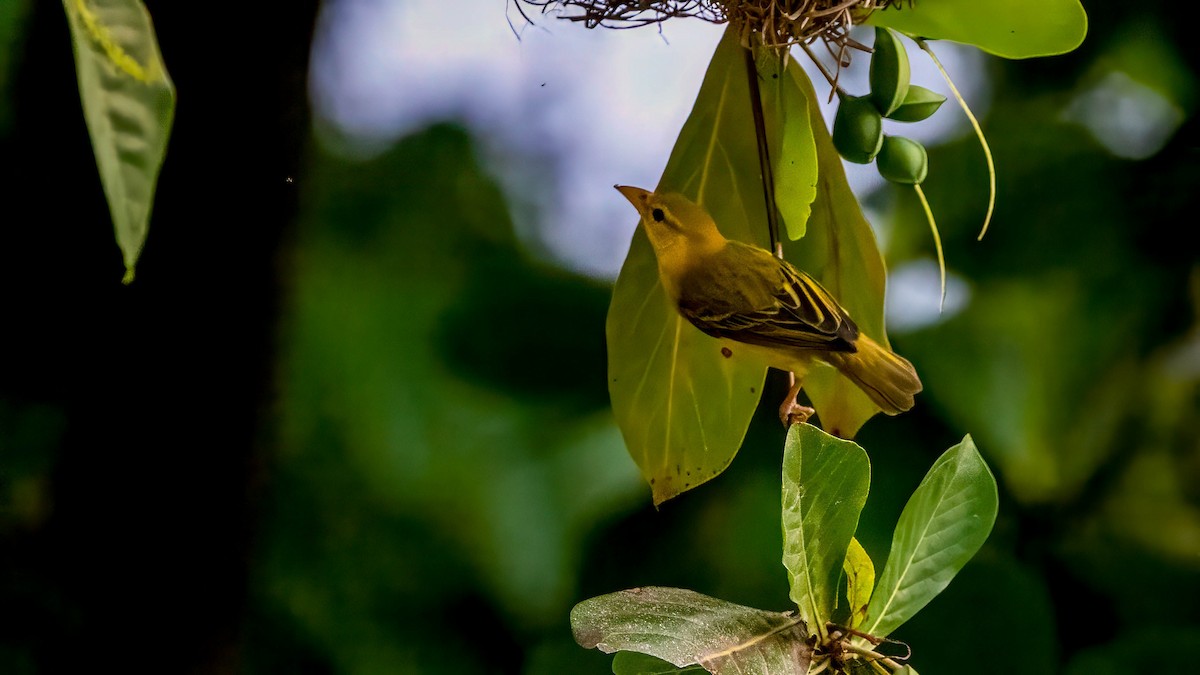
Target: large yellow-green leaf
x,y
1014,29
128,104
840,250
683,404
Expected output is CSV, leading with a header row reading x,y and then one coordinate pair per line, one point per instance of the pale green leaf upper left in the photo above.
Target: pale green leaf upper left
x,y
129,106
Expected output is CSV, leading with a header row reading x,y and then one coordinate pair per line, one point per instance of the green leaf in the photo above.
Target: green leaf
x,y
860,581
825,483
633,663
682,402
919,104
840,251
1014,29
792,147
686,628
944,523
128,104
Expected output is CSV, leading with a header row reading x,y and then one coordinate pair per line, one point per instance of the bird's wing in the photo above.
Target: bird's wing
x,y
748,295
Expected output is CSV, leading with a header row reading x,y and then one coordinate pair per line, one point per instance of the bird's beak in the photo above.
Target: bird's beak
x,y
637,196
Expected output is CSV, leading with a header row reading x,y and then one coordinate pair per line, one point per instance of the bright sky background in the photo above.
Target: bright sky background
x,y
561,107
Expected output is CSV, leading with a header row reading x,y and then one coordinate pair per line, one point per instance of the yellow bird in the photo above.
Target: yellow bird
x,y
739,292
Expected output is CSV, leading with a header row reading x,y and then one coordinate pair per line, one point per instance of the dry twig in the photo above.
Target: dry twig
x,y
779,23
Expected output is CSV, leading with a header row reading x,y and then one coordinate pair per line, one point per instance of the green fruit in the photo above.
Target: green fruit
x,y
889,71
919,104
857,129
902,160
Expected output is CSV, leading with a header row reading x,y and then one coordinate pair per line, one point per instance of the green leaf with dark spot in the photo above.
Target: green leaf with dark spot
x,y
944,523
128,104
682,403
686,628
825,484
860,581
1014,29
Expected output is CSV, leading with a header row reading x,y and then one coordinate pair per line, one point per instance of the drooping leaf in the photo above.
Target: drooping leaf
x,y
944,523
789,128
682,402
686,628
633,663
825,483
840,250
860,581
128,104
1014,29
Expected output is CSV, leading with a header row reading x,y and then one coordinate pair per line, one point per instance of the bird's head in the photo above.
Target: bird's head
x,y
673,222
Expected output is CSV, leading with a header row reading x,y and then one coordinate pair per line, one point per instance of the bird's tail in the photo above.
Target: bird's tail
x,y
888,378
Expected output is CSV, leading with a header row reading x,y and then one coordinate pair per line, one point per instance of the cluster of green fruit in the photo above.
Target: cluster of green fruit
x,y
858,126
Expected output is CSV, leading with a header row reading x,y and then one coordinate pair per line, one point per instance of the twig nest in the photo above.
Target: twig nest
x,y
779,23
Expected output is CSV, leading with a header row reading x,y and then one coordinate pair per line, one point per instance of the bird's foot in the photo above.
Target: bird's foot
x,y
793,413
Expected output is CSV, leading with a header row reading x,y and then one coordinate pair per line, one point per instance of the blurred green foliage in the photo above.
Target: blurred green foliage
x,y
28,436
445,438
12,20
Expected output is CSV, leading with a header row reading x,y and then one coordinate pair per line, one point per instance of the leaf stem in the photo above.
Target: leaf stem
x,y
834,87
987,151
875,656
937,243
764,158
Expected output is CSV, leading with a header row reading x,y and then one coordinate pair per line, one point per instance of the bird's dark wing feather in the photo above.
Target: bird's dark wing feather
x,y
750,296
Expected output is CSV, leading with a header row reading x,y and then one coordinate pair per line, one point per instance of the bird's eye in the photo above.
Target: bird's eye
x,y
658,216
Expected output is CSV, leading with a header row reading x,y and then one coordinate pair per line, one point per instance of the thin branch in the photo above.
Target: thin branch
x,y
764,157
835,88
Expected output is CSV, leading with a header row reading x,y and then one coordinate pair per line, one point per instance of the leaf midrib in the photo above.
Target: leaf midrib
x,y
908,565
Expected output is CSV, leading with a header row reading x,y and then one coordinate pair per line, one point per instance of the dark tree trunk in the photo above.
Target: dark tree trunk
x,y
163,389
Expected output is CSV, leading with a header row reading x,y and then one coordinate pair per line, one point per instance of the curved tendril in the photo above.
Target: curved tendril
x,y
937,243
987,151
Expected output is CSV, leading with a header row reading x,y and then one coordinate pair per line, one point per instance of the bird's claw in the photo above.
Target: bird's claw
x,y
793,413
